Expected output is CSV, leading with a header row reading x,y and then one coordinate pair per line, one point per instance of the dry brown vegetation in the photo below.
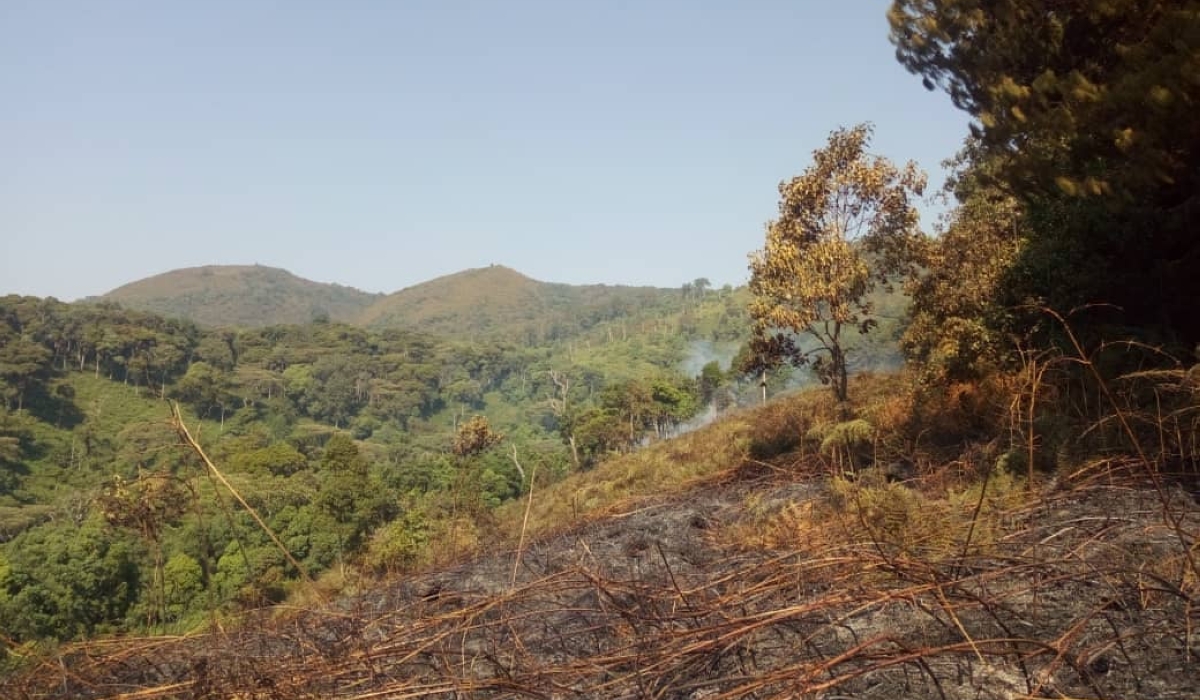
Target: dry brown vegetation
x,y
773,561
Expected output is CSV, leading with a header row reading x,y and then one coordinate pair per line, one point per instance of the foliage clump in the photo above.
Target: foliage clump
x,y
1086,115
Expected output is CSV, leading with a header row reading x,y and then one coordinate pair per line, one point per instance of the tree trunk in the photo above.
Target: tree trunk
x,y
840,380
517,463
574,452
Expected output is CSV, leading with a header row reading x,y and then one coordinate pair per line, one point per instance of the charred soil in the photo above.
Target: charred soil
x,y
1085,589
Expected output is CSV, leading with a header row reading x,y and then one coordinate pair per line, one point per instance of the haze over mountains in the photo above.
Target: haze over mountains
x,y
492,301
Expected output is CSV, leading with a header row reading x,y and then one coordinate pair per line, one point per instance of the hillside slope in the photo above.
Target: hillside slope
x,y
498,301
740,578
240,295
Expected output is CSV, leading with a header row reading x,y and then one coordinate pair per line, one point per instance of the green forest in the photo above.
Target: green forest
x,y
329,431
160,471
344,440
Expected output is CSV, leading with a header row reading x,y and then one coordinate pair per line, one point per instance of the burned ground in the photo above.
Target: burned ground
x,y
1089,591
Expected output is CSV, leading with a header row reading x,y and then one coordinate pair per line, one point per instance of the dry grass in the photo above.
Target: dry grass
x,y
1081,604
744,438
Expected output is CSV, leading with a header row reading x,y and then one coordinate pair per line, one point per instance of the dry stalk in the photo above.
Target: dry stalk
x,y
179,425
524,522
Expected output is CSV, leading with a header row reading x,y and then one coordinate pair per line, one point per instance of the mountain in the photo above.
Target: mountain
x,y
241,295
497,301
492,302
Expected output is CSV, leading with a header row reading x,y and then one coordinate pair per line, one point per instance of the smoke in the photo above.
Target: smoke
x,y
864,354
701,352
698,421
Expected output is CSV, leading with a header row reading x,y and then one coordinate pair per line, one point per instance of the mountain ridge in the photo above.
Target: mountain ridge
x,y
500,301
492,301
239,295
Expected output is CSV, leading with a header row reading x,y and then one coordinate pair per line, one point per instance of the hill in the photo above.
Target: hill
x,y
240,295
493,302
498,301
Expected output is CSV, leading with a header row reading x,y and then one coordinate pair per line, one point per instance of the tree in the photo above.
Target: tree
x,y
24,364
14,431
594,433
1090,112
697,288
1069,88
762,360
963,314
207,389
277,459
474,438
63,582
183,585
347,494
710,381
846,224
674,402
345,479
633,402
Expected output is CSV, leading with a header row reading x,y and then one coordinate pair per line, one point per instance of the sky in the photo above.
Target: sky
x,y
381,143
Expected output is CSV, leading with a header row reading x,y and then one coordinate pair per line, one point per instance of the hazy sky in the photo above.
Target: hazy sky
x,y
379,143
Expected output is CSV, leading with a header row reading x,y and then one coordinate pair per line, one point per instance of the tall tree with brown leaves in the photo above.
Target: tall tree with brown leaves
x,y
846,224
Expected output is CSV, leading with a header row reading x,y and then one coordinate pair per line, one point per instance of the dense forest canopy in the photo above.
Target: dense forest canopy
x,y
329,431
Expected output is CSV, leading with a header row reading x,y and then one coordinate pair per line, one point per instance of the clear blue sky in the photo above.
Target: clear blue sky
x,y
378,143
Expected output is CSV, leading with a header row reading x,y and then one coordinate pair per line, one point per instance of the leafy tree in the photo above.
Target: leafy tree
x,y
23,365
475,437
400,543
344,479
14,433
1069,89
847,213
961,315
313,535
147,506
763,360
183,585
218,349
347,494
674,402
207,389
596,432
711,379
633,402
300,385
64,582
278,459
250,574
1090,113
